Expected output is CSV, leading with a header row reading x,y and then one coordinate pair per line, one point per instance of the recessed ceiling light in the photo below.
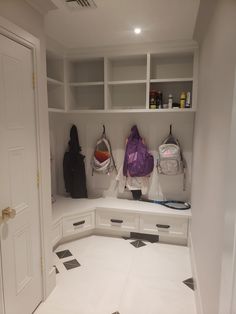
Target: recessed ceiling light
x,y
137,30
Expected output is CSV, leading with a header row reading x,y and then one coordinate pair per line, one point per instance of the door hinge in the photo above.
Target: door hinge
x,y
38,179
33,80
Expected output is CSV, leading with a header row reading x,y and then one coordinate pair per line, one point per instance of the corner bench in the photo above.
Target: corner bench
x,y
74,218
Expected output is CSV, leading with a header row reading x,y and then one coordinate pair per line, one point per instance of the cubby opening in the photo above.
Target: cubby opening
x,y
127,68
82,71
86,97
55,67
171,66
173,88
56,96
127,96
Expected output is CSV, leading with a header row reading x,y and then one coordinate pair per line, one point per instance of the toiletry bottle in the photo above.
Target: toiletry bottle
x,y
182,100
153,99
170,101
159,100
188,100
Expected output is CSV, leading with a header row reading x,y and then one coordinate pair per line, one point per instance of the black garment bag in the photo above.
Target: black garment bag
x,y
74,168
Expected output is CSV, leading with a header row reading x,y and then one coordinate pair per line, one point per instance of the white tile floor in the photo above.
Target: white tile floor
x,y
114,276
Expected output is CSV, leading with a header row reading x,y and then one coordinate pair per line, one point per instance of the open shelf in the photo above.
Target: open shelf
x,y
54,82
119,83
127,68
127,96
127,82
56,96
173,88
86,97
171,66
86,71
55,67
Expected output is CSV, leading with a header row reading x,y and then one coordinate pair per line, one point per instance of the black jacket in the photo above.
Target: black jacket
x,y
74,168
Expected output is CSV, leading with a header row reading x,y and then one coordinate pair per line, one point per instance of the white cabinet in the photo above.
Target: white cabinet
x,y
55,82
115,220
78,224
56,232
85,84
164,226
120,82
77,217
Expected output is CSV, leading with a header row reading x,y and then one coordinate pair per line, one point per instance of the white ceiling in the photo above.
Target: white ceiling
x,y
112,22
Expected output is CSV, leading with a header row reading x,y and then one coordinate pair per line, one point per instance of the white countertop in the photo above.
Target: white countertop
x,y
65,206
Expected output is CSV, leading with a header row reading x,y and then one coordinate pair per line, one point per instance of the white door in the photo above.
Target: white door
x,y
20,235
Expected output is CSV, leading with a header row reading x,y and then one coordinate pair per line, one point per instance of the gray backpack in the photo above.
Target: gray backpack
x,y
170,159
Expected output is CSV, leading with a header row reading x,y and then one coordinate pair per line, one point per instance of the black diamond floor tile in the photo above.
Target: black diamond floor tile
x,y
116,313
144,237
63,254
125,238
71,264
138,243
189,282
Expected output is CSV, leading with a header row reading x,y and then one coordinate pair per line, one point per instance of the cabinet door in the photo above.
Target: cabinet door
x,y
78,223
114,220
167,226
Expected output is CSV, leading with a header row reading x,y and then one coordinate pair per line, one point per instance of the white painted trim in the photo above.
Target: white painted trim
x,y
109,51
197,292
19,35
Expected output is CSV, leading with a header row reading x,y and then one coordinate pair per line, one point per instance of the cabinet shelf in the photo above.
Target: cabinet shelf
x,y
121,83
170,80
54,82
127,82
155,111
87,84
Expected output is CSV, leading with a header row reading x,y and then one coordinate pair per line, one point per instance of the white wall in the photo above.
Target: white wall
x,y
21,14
217,37
228,270
153,128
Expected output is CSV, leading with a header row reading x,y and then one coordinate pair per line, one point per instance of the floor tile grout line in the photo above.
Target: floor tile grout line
x,y
128,274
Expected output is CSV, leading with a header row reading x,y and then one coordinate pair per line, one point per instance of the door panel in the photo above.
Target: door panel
x,y
20,237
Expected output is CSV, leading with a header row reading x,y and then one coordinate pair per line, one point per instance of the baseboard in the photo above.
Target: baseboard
x,y
197,291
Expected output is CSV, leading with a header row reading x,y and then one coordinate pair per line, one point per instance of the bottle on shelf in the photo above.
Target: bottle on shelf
x,y
182,100
159,100
153,99
170,101
188,100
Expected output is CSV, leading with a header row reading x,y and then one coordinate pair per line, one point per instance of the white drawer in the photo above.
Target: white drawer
x,y
108,219
166,226
56,233
78,223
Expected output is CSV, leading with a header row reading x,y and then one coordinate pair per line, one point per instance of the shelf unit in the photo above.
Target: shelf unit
x,y
55,83
120,83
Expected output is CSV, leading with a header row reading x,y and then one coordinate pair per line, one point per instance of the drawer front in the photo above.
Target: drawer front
x,y
78,223
117,221
56,233
164,226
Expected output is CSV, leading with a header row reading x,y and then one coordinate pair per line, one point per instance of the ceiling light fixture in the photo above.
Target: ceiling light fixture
x,y
137,30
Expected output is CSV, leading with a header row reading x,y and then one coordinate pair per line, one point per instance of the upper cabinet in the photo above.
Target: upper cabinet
x,y
55,82
85,84
122,83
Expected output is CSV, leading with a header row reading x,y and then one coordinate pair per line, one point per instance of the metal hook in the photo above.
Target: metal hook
x,y
104,130
170,129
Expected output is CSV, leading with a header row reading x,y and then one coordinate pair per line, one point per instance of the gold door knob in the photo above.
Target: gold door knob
x,y
8,213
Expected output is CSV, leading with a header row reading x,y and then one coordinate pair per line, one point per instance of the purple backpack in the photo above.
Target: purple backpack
x,y
138,162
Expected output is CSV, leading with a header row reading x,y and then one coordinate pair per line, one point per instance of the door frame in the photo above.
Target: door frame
x,y
24,38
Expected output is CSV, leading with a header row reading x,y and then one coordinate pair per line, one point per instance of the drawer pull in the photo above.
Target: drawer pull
x,y
79,223
117,221
163,226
